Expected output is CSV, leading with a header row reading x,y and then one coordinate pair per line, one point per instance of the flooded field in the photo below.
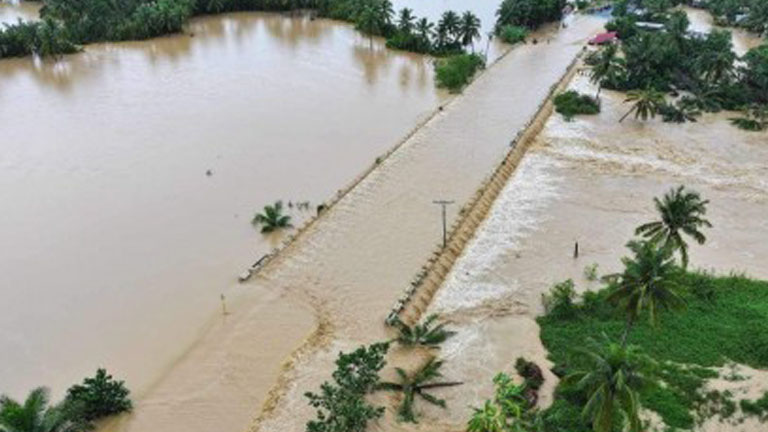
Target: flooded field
x,y
592,180
11,12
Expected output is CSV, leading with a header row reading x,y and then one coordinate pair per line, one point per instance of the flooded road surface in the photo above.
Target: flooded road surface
x,y
115,242
592,180
356,261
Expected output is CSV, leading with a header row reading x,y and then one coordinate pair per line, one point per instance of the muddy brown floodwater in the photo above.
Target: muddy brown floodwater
x,y
593,180
115,242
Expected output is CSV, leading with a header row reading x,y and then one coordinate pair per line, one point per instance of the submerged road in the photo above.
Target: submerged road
x,y
333,288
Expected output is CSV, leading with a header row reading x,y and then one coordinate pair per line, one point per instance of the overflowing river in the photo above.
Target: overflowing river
x,y
116,244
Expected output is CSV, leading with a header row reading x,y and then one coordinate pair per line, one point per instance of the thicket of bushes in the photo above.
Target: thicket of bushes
x,y
571,103
455,72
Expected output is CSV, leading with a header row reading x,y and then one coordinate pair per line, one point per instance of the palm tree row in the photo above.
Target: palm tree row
x,y
452,34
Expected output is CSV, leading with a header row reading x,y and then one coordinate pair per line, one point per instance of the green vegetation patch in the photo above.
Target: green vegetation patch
x,y
571,103
457,71
512,34
725,318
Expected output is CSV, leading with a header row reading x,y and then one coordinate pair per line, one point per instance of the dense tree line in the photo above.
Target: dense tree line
x,y
676,61
750,14
66,24
528,13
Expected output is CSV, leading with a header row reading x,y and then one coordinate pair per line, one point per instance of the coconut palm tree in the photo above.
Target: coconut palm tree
x,y
424,28
35,415
272,218
449,25
646,103
646,284
385,12
718,62
369,22
610,377
606,66
422,334
682,212
417,384
405,20
469,29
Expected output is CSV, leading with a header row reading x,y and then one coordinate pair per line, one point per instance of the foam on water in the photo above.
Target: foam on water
x,y
515,213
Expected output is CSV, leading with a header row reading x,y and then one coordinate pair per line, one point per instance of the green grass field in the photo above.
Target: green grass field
x,y
726,319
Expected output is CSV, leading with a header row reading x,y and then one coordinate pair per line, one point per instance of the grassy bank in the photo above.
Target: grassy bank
x,y
725,318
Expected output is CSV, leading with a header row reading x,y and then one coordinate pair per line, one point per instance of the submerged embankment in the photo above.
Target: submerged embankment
x,y
333,287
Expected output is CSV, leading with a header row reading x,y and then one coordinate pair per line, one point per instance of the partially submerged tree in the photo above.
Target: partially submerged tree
x,y
417,384
341,405
645,103
682,212
272,218
422,334
99,397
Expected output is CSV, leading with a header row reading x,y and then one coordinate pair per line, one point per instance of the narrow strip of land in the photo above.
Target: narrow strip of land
x,y
336,284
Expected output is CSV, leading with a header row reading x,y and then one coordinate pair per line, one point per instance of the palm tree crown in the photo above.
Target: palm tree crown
x,y
405,20
646,103
647,283
469,28
34,415
272,218
610,378
417,384
422,334
682,212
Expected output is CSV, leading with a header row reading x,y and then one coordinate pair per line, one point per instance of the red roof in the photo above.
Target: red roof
x,y
604,38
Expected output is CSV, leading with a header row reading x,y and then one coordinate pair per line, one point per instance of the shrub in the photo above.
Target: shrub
x,y
590,272
531,372
758,408
512,34
572,103
99,397
341,405
455,72
560,300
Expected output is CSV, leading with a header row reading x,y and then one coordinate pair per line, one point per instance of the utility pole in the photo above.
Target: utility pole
x,y
443,203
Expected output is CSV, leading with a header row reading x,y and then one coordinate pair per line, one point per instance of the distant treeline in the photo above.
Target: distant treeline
x,y
67,24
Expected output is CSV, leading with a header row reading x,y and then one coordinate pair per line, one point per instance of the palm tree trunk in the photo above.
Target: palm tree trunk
x,y
627,329
627,114
445,384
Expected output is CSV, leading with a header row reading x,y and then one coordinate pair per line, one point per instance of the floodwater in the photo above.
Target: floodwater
x,y
592,181
702,21
116,244
11,12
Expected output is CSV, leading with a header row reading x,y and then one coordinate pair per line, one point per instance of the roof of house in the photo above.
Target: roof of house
x,y
604,38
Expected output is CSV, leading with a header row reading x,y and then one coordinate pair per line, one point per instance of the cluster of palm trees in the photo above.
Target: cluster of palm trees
x,y
452,34
612,374
427,376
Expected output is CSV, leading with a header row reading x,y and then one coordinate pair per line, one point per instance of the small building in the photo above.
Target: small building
x,y
650,26
604,38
